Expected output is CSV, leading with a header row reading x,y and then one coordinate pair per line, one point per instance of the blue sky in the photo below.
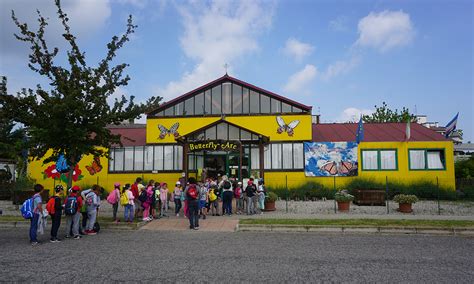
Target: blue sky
x,y
341,57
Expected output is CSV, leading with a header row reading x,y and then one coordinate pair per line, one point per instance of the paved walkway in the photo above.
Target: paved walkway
x,y
211,224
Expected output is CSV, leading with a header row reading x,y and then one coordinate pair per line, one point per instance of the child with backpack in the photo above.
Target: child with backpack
x,y
203,199
31,209
213,203
146,199
261,195
72,209
93,204
239,200
192,195
177,198
127,201
83,210
114,198
164,199
54,208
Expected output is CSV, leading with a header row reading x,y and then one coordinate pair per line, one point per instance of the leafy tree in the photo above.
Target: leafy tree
x,y
385,114
464,168
70,117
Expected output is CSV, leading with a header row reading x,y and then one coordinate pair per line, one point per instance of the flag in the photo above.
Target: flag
x,y
451,126
360,132
408,130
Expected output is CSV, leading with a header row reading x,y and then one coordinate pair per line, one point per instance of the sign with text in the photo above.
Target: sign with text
x,y
215,145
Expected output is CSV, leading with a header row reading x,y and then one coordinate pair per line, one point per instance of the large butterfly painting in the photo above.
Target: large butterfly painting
x,y
324,159
288,128
165,131
95,167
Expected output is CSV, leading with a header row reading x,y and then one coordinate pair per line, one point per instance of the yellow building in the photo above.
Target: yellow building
x,y
234,128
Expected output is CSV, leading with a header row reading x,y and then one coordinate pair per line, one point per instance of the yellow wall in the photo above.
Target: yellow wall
x,y
265,125
402,175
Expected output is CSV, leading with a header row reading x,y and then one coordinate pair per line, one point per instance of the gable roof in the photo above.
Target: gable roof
x,y
224,79
374,132
131,134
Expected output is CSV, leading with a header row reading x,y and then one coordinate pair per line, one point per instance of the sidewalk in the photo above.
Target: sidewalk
x,y
211,224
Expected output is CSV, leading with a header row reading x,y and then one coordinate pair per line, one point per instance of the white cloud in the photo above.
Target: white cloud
x,y
216,33
352,114
297,49
339,24
301,79
340,67
385,30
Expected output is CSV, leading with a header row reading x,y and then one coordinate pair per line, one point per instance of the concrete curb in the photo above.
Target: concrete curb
x,y
356,229
108,226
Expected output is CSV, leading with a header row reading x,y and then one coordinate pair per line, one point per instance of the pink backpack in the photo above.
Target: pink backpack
x,y
112,197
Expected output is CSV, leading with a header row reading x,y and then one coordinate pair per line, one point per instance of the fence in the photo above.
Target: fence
x,y
435,198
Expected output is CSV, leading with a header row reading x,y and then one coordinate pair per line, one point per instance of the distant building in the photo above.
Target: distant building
x,y
423,120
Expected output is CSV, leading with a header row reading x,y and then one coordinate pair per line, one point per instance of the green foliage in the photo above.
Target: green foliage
x,y
24,183
464,168
385,114
343,196
405,198
271,197
307,191
70,117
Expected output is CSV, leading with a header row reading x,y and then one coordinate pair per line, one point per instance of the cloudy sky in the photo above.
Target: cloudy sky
x,y
341,57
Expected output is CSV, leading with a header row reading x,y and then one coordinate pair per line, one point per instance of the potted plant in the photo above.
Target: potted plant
x,y
405,201
343,199
270,201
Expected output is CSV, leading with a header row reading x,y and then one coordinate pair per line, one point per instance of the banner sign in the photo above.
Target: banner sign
x,y
324,159
215,145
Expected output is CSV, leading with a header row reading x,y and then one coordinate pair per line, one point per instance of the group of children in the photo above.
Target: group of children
x,y
197,199
77,203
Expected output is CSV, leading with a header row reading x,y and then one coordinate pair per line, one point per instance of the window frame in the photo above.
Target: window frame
x,y
282,169
379,159
425,150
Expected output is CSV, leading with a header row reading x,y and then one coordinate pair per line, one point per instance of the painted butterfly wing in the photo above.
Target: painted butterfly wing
x,y
281,122
96,165
345,167
163,131
293,124
173,128
330,167
91,170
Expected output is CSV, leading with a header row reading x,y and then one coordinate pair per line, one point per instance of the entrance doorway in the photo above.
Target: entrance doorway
x,y
215,165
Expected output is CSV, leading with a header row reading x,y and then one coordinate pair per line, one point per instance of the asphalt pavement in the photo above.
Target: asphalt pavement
x,y
196,256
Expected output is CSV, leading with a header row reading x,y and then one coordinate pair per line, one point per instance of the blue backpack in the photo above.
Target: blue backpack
x,y
71,205
27,208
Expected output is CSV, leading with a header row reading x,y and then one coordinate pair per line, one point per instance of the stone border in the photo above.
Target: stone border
x,y
468,231
108,225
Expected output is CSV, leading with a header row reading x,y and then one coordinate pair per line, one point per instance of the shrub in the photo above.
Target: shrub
x,y
343,196
405,198
271,197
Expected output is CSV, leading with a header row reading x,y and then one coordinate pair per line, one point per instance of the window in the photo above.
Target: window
x,y
233,133
118,159
267,157
178,158
222,131
285,108
245,100
379,160
199,104
158,158
189,106
169,111
236,99
128,158
148,158
287,156
138,161
207,102
264,104
111,160
226,98
427,159
179,108
211,133
254,102
254,158
276,105
216,100
298,156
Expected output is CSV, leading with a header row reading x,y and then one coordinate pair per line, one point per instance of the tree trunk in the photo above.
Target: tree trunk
x,y
71,172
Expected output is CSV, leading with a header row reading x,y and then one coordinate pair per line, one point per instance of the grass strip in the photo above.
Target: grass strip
x,y
361,222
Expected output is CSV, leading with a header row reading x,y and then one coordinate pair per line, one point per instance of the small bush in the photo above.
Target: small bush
x,y
405,198
271,197
343,196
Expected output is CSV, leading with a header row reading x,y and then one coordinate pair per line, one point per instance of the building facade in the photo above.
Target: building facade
x,y
234,128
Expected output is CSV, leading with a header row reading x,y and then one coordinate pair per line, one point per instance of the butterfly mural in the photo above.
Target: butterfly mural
x,y
95,167
288,128
341,168
324,159
165,131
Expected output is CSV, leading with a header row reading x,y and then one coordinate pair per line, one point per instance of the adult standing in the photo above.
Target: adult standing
x,y
192,195
227,196
72,208
37,209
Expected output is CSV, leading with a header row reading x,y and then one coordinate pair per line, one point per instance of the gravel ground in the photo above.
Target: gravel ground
x,y
190,256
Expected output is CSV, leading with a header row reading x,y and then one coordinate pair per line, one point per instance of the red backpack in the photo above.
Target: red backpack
x,y
50,205
237,192
192,191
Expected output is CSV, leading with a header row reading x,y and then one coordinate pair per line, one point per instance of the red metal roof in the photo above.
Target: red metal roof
x,y
373,132
132,134
227,78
